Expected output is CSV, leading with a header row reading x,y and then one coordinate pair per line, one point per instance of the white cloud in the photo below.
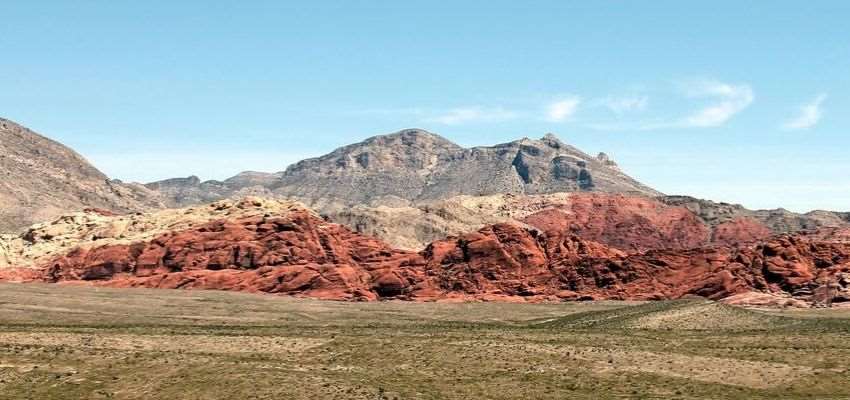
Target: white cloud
x,y
808,115
720,101
563,109
473,114
624,104
731,99
724,102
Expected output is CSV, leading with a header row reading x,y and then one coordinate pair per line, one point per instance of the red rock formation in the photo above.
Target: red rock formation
x,y
301,254
510,261
628,223
796,261
740,230
636,224
297,254
507,260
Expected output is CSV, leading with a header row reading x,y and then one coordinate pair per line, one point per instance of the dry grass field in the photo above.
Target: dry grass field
x,y
75,342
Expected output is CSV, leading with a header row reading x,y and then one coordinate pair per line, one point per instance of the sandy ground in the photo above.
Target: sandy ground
x,y
70,342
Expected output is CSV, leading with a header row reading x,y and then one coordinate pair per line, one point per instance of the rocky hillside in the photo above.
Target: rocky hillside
x,y
505,259
95,228
221,245
282,247
41,179
414,166
778,220
671,221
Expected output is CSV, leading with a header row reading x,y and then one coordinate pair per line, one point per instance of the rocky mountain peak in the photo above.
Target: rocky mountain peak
x,y
406,149
414,138
552,140
410,136
413,165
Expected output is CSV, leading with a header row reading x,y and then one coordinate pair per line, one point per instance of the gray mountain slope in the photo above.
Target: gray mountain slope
x,y
414,165
41,179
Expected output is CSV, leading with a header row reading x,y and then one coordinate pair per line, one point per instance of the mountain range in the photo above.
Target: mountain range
x,y
406,215
415,166
411,172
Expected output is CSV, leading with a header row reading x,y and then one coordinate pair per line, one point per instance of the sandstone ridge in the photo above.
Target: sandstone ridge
x,y
282,247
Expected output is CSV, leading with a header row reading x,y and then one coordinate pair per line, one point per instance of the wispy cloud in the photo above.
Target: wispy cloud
x,y
624,104
717,102
725,100
731,99
808,115
563,109
473,114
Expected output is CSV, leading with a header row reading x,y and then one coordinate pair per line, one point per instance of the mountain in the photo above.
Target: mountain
x,y
41,179
408,188
413,166
412,187
282,247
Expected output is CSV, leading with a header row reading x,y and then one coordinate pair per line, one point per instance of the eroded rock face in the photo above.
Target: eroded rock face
x,y
507,260
296,254
628,223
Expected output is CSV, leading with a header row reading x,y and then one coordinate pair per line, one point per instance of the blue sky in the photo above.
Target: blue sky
x,y
743,103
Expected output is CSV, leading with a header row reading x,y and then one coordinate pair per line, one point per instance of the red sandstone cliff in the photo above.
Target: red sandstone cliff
x,y
626,252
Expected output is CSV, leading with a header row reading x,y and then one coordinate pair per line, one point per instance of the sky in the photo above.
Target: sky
x,y
743,102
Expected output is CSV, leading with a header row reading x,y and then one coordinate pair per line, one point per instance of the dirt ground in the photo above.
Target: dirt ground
x,y
76,342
